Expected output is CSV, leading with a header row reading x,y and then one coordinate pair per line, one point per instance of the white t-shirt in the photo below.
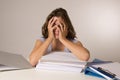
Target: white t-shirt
x,y
50,46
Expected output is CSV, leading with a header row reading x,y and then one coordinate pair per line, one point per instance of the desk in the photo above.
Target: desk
x,y
32,74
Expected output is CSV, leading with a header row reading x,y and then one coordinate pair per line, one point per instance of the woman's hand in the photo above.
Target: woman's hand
x,y
51,27
62,30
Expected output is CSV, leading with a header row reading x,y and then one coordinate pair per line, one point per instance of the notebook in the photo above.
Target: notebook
x,y
10,61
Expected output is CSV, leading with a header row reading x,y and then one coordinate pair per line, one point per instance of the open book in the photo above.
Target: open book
x,y
61,61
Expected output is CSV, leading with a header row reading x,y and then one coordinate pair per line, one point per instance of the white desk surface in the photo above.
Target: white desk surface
x,y
32,74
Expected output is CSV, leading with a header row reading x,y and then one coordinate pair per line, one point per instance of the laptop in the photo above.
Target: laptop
x,y
10,61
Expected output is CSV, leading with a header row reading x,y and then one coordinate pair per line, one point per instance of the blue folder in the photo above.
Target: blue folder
x,y
89,69
90,72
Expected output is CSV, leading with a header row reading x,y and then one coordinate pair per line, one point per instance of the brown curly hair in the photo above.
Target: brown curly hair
x,y
59,12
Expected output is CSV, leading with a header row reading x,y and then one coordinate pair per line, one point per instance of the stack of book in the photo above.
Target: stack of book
x,y
61,61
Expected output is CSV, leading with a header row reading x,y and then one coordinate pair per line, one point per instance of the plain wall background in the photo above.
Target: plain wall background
x,y
97,24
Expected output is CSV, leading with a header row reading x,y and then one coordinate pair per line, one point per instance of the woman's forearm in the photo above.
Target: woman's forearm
x,y
77,49
39,52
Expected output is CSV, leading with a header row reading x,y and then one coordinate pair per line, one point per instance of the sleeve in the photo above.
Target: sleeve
x,y
41,39
75,40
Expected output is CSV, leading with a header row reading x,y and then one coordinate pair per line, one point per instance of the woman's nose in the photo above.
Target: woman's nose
x,y
56,29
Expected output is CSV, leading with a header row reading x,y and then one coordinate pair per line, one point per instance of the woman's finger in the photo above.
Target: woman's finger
x,y
53,22
50,20
59,29
54,27
64,26
60,26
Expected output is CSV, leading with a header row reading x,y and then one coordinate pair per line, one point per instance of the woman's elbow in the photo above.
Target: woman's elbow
x,y
32,61
86,56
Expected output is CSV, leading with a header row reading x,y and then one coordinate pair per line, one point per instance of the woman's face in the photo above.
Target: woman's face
x,y
57,23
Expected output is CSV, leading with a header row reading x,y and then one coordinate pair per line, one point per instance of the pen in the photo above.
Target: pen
x,y
106,72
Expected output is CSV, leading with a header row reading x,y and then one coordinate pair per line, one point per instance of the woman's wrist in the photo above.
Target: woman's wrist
x,y
63,40
50,39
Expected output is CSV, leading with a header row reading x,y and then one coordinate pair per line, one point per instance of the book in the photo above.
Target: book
x,y
61,61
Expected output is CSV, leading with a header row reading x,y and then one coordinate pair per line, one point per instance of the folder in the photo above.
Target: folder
x,y
93,71
90,72
104,69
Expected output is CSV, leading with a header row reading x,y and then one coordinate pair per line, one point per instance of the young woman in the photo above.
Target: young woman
x,y
58,35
